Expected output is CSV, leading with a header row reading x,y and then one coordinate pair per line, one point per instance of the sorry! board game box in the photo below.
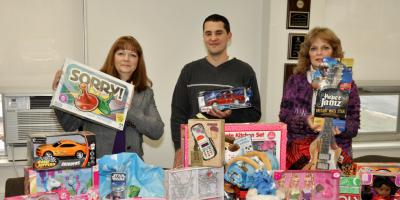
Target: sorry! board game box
x,y
92,94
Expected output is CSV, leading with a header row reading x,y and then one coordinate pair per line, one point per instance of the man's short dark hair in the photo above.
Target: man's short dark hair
x,y
218,18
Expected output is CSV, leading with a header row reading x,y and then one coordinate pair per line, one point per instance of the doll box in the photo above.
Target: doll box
x,y
62,150
68,182
38,196
307,184
205,143
374,183
94,95
194,183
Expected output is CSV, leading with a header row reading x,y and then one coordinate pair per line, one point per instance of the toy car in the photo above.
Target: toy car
x,y
226,98
62,148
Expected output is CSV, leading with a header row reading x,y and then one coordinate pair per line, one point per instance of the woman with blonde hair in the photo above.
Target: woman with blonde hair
x,y
297,101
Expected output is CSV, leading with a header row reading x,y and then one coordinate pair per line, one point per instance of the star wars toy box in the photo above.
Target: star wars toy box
x,y
307,184
194,183
269,138
380,185
67,183
334,79
225,99
204,143
94,95
65,150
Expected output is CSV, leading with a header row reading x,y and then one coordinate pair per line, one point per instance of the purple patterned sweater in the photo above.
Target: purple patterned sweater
x,y
296,106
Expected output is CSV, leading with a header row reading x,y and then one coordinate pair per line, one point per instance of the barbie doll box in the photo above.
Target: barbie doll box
x,y
195,183
62,150
204,143
94,95
307,184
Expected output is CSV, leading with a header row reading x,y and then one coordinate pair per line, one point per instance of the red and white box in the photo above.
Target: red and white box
x,y
307,184
94,95
194,183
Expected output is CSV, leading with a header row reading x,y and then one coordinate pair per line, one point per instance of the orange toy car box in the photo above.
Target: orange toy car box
x,y
62,150
92,94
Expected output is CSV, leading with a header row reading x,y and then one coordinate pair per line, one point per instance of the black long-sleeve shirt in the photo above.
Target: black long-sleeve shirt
x,y
200,75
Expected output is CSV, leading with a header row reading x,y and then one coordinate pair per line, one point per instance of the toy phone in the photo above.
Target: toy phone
x,y
203,141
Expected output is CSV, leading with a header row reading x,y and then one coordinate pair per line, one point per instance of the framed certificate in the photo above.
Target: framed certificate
x,y
294,43
298,14
288,71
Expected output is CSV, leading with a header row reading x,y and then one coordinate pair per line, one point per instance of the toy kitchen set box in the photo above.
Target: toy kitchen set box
x,y
92,94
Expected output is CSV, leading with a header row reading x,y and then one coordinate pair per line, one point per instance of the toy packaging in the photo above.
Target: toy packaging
x,y
307,185
76,183
205,142
380,185
349,185
349,197
126,175
269,138
38,196
62,150
231,98
376,167
94,95
194,183
334,79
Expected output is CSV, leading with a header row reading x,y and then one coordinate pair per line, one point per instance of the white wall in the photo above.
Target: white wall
x,y
35,37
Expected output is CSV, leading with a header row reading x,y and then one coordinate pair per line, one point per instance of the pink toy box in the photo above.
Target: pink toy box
x,y
62,150
307,184
38,196
266,137
69,184
91,94
194,183
379,185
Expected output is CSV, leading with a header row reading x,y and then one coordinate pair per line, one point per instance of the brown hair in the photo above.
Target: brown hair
x,y
139,76
322,33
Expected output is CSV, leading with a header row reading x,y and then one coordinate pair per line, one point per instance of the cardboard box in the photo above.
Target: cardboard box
x,y
205,142
67,183
62,150
308,184
194,183
231,98
266,137
94,95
